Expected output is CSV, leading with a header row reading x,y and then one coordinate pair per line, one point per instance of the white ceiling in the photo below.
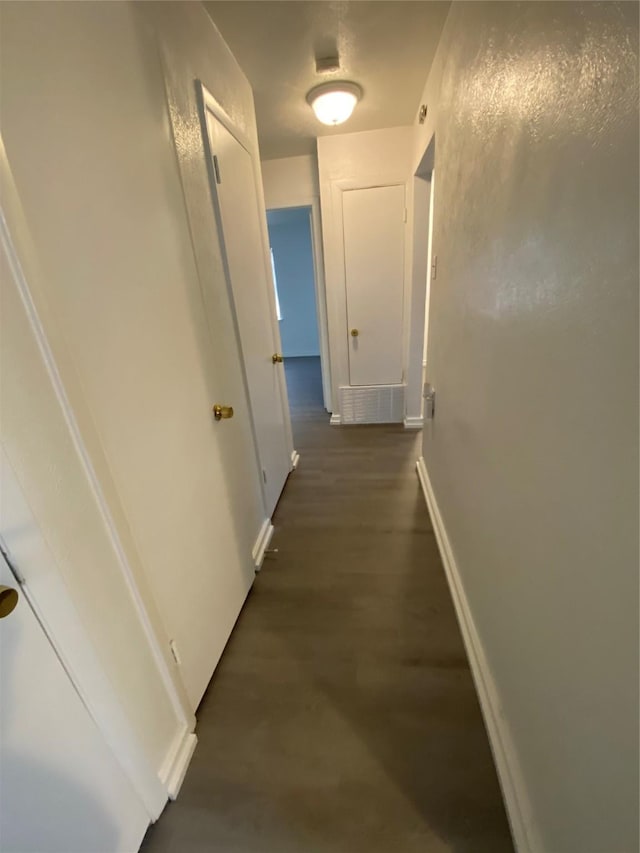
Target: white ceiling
x,y
387,46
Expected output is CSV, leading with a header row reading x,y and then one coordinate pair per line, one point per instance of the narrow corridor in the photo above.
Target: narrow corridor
x,y
343,716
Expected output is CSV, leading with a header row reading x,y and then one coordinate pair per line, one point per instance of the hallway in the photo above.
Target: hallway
x,y
342,717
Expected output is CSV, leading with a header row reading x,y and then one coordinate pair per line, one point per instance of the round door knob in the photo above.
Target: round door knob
x,y
276,358
8,600
221,413
354,333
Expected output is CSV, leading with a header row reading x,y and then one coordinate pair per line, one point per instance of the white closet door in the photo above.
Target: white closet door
x,y
373,223
61,788
241,235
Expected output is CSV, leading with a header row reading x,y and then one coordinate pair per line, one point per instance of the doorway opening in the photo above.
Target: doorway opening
x,y
425,265
301,306
432,267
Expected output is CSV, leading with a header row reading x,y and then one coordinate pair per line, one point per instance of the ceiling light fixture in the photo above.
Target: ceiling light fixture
x,y
334,102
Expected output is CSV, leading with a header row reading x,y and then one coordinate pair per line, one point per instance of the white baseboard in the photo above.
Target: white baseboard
x,y
515,795
175,766
295,458
411,422
335,420
262,543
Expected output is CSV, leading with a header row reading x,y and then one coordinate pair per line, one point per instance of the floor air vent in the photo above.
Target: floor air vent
x,y
371,404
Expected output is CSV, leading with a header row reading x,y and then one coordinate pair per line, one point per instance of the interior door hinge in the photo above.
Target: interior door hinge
x,y
216,169
174,652
15,571
405,214
264,476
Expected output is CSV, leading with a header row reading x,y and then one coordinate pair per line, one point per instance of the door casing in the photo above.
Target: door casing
x,y
313,203
210,106
47,591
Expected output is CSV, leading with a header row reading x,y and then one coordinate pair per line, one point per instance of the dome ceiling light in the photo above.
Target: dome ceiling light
x,y
334,102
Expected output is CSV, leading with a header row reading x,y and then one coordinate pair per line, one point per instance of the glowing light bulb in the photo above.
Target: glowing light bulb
x,y
333,103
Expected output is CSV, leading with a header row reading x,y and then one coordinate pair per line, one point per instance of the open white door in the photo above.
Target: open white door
x,y
61,788
241,235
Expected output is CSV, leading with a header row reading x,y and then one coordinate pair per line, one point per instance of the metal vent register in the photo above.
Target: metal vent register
x,y
372,404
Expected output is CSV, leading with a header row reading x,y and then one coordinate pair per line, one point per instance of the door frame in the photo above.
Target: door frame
x,y
420,285
319,286
206,101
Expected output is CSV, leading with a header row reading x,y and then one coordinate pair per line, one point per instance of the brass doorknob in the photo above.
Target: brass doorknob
x,y
221,413
354,333
8,600
276,358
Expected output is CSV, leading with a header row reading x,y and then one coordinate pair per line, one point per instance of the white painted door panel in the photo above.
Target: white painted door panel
x,y
61,788
373,224
241,235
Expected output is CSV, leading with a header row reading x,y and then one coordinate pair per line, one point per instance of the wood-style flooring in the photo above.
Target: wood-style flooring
x,y
343,716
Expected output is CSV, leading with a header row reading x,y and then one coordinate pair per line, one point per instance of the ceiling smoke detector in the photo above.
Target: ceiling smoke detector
x,y
327,64
334,102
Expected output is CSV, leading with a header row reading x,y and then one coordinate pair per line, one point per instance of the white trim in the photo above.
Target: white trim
x,y
295,458
175,767
335,419
207,101
514,791
413,422
321,300
262,543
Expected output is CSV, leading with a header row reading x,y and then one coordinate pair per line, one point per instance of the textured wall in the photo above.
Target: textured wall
x,y
96,196
290,181
290,238
106,208
533,351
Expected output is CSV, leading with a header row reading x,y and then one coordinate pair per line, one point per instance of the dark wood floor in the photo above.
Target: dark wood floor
x,y
342,717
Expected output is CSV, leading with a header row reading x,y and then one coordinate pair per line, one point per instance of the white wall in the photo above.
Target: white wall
x,y
89,142
62,536
533,352
290,238
76,240
290,181
371,158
